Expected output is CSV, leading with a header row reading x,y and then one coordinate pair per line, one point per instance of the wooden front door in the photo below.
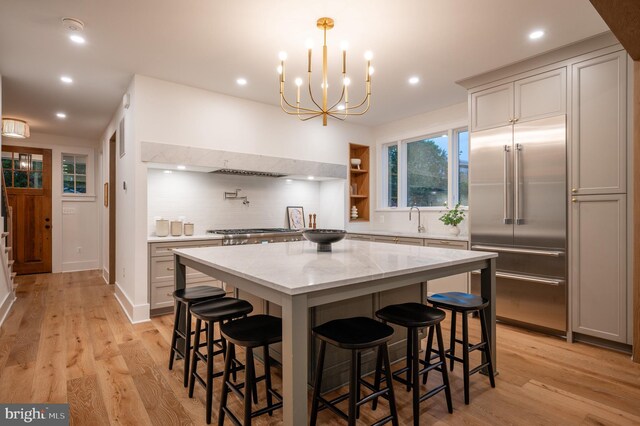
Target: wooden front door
x,y
27,175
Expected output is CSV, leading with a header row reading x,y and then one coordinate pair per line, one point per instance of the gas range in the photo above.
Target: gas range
x,y
231,237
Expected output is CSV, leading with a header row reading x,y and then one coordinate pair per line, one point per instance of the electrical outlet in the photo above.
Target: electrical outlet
x,y
68,210
79,250
123,272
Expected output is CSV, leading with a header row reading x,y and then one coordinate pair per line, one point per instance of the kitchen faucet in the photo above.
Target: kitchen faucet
x,y
420,227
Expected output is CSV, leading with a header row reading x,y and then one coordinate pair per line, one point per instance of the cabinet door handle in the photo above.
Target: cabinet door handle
x,y
170,268
574,190
169,294
574,200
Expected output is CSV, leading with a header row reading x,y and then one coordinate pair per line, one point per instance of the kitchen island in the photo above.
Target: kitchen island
x,y
296,277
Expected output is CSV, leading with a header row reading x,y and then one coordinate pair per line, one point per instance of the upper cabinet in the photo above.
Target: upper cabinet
x,y
599,126
539,96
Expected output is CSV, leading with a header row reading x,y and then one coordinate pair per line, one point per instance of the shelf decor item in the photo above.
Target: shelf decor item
x,y
324,237
295,215
355,162
354,212
452,218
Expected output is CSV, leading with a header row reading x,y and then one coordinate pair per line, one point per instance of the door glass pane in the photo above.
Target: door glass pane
x,y
6,160
36,162
463,168
68,184
392,173
20,179
81,165
81,184
8,178
35,180
24,161
67,164
427,171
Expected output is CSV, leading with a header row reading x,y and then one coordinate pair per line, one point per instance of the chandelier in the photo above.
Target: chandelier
x,y
339,110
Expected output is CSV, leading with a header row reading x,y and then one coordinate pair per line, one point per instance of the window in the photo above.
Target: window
x,y
22,170
428,171
74,174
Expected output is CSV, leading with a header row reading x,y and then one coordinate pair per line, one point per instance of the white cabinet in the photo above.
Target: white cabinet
x,y
599,126
162,272
598,266
539,96
453,283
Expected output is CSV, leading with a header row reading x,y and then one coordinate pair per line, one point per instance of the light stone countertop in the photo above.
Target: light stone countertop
x,y
170,239
427,235
297,268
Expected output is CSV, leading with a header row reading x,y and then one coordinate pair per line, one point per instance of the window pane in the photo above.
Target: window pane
x,y
463,171
427,168
36,162
392,173
6,160
8,178
67,164
81,184
35,180
20,179
68,184
81,165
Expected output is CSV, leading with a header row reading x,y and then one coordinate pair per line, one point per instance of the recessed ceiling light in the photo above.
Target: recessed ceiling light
x,y
341,107
536,34
310,177
181,167
414,80
77,38
167,172
66,79
61,115
289,180
241,81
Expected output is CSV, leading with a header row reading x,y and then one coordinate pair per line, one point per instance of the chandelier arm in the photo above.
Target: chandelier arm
x,y
310,117
339,100
365,100
300,109
337,117
311,94
359,113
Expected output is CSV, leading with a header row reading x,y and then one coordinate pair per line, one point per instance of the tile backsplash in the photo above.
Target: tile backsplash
x,y
199,197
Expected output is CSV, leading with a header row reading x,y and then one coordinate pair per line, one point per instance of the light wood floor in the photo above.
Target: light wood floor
x,y
67,340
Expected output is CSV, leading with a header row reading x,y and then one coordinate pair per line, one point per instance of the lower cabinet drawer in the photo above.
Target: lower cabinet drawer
x,y
163,268
162,293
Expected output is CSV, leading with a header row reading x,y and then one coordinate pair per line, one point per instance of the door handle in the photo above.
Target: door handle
x,y
551,253
517,196
505,182
528,278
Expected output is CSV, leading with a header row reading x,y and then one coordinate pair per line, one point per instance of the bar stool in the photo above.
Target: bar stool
x,y
355,334
187,297
211,312
466,303
250,333
415,316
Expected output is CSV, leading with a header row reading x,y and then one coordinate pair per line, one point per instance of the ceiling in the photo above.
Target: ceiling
x,y
209,44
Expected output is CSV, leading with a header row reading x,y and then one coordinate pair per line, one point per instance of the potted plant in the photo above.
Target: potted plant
x,y
452,218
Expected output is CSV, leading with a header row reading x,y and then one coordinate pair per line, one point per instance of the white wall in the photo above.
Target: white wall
x,y
454,116
75,235
6,295
199,198
166,112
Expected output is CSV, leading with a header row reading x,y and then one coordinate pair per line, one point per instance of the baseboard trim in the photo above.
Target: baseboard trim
x,y
105,276
135,313
84,265
5,306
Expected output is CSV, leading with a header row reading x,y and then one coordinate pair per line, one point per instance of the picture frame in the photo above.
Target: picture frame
x,y
295,215
106,194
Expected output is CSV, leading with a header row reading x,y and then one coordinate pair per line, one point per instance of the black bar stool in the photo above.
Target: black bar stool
x,y
415,316
466,303
212,311
250,333
187,297
355,334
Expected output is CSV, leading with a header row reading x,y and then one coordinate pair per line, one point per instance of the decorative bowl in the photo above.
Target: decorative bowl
x,y
356,162
324,237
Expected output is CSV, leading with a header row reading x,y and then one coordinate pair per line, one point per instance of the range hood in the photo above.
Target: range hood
x,y
248,173
160,155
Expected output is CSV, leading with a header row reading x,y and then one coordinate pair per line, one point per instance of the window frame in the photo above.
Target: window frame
x,y
452,169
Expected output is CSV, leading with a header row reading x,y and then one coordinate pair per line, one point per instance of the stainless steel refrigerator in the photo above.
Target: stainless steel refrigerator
x,y
517,207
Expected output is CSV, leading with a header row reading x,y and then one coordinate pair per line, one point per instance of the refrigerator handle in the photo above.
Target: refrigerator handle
x,y
517,198
505,201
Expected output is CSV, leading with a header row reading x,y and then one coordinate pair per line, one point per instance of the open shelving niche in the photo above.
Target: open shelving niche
x,y
359,178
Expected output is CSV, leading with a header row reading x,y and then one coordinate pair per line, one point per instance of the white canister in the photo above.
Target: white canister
x,y
188,228
176,228
162,227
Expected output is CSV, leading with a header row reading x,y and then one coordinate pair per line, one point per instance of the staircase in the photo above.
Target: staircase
x,y
6,242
